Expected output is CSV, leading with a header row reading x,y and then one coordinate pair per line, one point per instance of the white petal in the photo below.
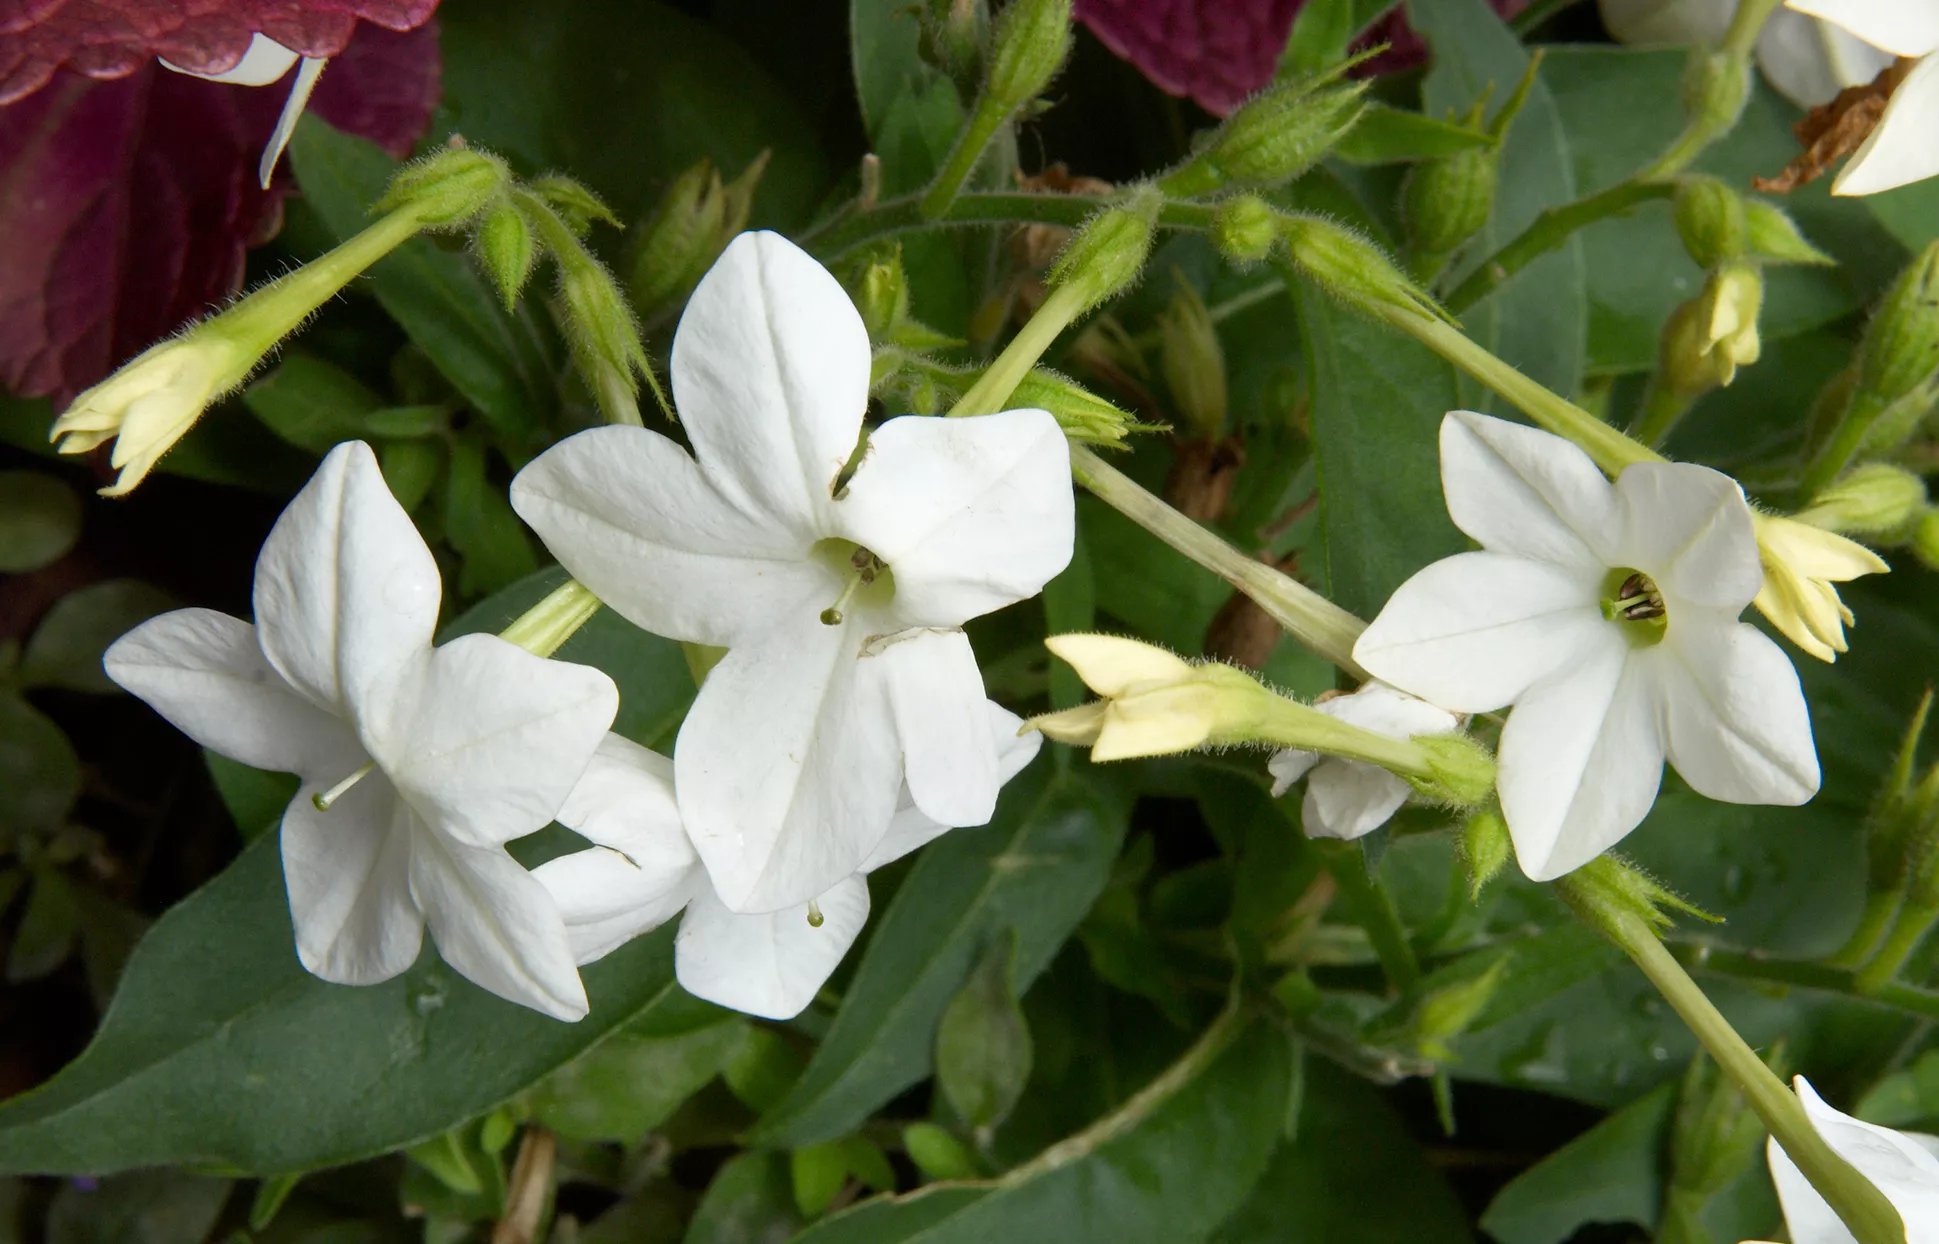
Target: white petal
x,y
1689,528
1524,491
1472,631
495,924
263,61
293,106
1900,149
1289,766
970,514
1901,27
771,373
1390,711
205,673
1581,759
625,799
787,766
348,876
936,693
1810,61
486,740
909,828
1738,728
772,964
1347,799
631,516
1900,1166
1808,1217
346,591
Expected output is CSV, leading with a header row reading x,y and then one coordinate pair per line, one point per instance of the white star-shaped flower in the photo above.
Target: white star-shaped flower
x,y
1350,798
1607,615
429,759
840,600
1901,148
1902,1165
644,870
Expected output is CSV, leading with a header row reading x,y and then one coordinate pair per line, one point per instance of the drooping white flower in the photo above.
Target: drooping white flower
x,y
1900,149
1350,798
1902,1165
1807,60
266,61
839,599
1607,615
644,870
428,759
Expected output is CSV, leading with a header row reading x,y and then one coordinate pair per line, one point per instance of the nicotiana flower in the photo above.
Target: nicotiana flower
x,y
1902,1165
1801,562
150,403
1349,798
644,870
266,61
418,763
1900,148
1607,615
838,595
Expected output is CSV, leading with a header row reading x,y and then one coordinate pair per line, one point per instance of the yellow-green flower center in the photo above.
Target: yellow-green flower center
x,y
866,578
1632,600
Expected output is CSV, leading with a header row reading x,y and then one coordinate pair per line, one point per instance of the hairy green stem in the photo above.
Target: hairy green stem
x,y
993,388
1702,957
541,629
1863,943
1373,909
1914,921
982,127
1746,24
1547,232
269,314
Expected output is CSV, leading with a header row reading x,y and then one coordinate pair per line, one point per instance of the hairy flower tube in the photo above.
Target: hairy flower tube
x,y
1902,1165
1900,149
418,763
1607,615
1349,798
643,870
838,594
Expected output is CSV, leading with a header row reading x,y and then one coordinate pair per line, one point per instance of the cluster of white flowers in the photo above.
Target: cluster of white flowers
x,y
845,726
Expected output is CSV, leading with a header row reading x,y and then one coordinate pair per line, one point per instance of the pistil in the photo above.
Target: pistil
x,y
863,566
325,799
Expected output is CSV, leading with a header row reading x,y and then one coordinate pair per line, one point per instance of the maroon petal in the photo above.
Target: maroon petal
x,y
127,205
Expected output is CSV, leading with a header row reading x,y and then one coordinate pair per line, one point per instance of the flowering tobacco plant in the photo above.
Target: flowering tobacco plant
x,y
1098,673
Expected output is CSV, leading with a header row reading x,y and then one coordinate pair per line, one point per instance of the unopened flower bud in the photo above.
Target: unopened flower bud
x,y
1272,138
1715,1137
1875,499
1801,563
506,249
1485,848
579,207
882,295
1708,338
1609,889
693,222
448,187
1246,228
1108,253
952,40
1447,201
1716,85
1463,770
1449,1010
1032,39
1348,266
1084,416
1194,363
1771,234
1900,352
1711,220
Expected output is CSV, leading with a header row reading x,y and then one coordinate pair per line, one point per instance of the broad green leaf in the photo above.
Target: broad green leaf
x,y
48,926
145,1207
311,403
479,522
66,647
1377,404
1322,30
1908,1100
1538,319
40,776
1172,1163
750,1201
983,1042
1611,1173
627,1085
410,469
1157,593
1351,1175
883,36
501,362
1035,868
1070,604
1392,136
40,519
1909,213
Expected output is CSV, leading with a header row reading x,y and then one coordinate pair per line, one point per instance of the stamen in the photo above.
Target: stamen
x,y
814,914
1637,600
832,616
323,800
865,565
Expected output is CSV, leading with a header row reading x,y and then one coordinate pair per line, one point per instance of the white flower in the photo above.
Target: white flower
x,y
1607,615
1901,148
840,601
1807,60
1349,798
644,869
429,759
266,61
1902,1165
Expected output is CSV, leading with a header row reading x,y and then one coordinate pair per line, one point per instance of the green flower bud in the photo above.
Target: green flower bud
x,y
953,32
1348,266
1485,848
1246,228
1447,201
1194,363
693,222
447,188
1083,415
1032,39
937,1154
1715,1137
1925,539
1464,770
1875,499
1900,352
1708,338
882,296
1271,139
1109,252
1448,1011
579,207
506,249
1711,220
1610,887
1716,86
1773,235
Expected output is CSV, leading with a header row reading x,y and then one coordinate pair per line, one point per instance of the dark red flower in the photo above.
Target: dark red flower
x,y
127,205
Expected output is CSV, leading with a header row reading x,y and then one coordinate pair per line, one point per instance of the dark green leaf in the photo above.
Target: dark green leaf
x,y
47,928
255,797
40,776
410,469
983,1042
884,38
40,519
1035,868
1611,1173
66,647
310,403
750,1201
626,1086
147,1207
479,522
1391,136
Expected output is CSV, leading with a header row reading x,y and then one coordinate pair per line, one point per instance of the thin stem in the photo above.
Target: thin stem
x,y
1862,1207
1314,621
541,629
1843,446
982,127
1914,922
1860,946
279,308
1002,376
1702,957
1547,232
857,228
1662,407
1746,24
1373,908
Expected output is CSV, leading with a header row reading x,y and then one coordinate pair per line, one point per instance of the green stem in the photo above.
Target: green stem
x,y
1662,407
1914,922
1547,232
993,388
1288,723
982,127
1373,908
1862,1207
855,228
1314,621
1863,943
279,308
1702,957
1746,24
542,628
1844,445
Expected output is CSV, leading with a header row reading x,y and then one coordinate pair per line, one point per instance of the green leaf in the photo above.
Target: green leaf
x,y
750,1201
479,522
146,1207
1070,604
1035,868
255,797
1611,1173
628,1085
47,928
983,1042
1352,1175
936,1153
40,776
1322,30
1386,135
501,362
66,647
40,519
311,403
410,469
1377,404
1169,1165
884,39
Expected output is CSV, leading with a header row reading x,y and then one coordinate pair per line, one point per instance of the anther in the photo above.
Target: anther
x,y
324,799
1638,599
814,914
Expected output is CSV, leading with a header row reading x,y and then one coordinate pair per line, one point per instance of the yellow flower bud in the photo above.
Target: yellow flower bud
x,y
148,404
1801,563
